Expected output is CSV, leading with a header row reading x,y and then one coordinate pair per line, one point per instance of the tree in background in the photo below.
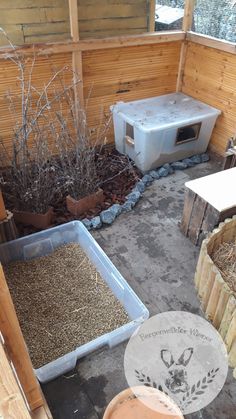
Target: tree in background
x,y
212,17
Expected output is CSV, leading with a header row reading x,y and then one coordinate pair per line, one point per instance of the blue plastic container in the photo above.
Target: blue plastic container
x,y
45,242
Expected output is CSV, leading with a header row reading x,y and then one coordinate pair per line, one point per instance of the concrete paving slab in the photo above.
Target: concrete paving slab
x,y
149,250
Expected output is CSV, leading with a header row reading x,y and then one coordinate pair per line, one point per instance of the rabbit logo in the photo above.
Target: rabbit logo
x,y
176,381
180,354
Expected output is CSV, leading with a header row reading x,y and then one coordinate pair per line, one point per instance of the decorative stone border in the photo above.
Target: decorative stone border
x,y
217,300
108,216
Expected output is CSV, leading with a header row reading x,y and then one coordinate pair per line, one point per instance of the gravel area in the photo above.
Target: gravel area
x,y
61,302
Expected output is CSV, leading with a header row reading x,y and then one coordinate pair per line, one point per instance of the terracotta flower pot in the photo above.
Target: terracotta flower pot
x,y
41,221
84,204
127,405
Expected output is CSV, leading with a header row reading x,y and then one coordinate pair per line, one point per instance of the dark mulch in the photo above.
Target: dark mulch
x,y
118,176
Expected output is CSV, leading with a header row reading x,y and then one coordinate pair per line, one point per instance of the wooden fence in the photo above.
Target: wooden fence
x,y
131,67
20,392
210,76
218,300
33,21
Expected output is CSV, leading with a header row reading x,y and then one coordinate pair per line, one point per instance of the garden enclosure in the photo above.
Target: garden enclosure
x,y
135,65
121,68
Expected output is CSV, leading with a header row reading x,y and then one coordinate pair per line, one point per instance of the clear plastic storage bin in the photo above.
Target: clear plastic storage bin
x,y
162,129
45,242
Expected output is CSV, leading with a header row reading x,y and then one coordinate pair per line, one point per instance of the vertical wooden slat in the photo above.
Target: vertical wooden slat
x,y
3,213
214,297
74,21
232,355
187,25
152,9
222,303
76,55
12,404
16,346
189,199
227,317
231,332
188,15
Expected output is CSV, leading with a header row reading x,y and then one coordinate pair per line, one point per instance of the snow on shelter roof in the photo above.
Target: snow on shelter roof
x,y
168,15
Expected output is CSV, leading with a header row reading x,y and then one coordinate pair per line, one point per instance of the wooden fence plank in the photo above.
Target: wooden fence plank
x,y
152,15
76,55
16,346
187,211
12,404
3,213
210,76
187,25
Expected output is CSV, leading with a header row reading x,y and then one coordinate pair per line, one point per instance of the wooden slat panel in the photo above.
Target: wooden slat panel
x,y
131,40
127,73
210,76
15,33
12,404
111,32
46,29
16,347
108,2
23,4
31,21
112,18
106,24
32,15
105,10
45,38
43,71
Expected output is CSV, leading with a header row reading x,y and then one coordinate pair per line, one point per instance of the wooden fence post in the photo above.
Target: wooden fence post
x,y
187,25
11,398
77,64
3,213
151,20
188,15
16,347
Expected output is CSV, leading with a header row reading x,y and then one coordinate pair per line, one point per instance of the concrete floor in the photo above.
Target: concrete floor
x,y
158,262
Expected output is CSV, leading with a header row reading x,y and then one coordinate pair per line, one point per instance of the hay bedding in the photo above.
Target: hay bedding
x,y
225,259
62,302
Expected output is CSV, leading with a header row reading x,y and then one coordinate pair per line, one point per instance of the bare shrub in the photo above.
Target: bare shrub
x,y
77,146
28,181
51,121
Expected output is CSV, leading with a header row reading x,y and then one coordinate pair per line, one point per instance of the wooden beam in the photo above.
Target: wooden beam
x,y
39,49
74,25
3,214
182,60
16,347
77,64
211,42
12,403
132,40
152,12
42,412
94,44
188,15
187,25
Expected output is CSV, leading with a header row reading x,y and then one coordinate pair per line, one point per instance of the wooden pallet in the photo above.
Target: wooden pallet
x,y
217,300
208,201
